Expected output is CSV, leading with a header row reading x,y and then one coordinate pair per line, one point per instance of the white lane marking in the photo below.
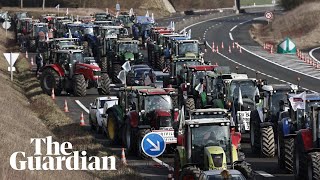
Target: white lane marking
x,y
82,106
274,62
311,54
230,36
112,85
233,28
264,174
163,164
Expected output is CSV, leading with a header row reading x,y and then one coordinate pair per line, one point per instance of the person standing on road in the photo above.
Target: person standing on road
x,y
39,62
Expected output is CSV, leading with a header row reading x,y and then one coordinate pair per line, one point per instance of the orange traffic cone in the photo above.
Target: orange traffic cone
x,y
233,44
240,49
217,49
222,46
27,55
82,123
31,61
229,49
237,45
271,50
53,96
212,45
123,157
264,46
66,109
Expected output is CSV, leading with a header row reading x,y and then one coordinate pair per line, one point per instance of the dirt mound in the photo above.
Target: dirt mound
x,y
301,25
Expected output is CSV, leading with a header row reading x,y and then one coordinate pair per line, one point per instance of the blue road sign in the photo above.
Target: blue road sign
x,y
153,144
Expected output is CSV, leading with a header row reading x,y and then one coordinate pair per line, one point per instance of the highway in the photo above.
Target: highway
x,y
214,31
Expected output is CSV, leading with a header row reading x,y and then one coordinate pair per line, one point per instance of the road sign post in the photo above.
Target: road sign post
x,y
153,144
268,15
6,25
11,58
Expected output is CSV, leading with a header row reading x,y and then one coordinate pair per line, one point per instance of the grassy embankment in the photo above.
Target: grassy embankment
x,y
27,113
300,24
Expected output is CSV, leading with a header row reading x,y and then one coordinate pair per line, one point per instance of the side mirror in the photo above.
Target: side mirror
x,y
175,126
257,98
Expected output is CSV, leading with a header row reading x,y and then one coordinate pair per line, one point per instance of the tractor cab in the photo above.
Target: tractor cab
x,y
187,48
103,17
40,30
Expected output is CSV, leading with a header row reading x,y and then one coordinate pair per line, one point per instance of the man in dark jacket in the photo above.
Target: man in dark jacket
x,y
39,62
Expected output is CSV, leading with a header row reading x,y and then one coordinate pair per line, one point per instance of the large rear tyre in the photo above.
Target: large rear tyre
x,y
300,158
289,154
267,142
113,129
244,168
79,85
105,84
280,147
116,68
255,132
104,64
314,166
177,165
190,104
190,173
160,63
128,138
49,80
141,134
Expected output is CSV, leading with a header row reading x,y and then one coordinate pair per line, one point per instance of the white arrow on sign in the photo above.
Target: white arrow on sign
x,y
14,57
156,147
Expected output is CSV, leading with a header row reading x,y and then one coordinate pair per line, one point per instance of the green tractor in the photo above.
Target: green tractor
x,y
206,142
121,51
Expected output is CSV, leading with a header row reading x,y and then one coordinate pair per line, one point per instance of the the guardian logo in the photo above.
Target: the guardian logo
x,y
59,157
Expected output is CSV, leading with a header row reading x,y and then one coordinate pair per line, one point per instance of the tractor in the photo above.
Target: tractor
x,y
289,123
37,39
103,17
121,51
264,119
141,28
195,91
142,109
67,70
206,142
307,147
17,23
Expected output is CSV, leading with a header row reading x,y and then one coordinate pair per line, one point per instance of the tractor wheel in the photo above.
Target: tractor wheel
x,y
190,105
91,124
113,129
177,165
289,154
130,79
280,147
314,166
32,46
175,101
152,59
156,59
49,80
79,85
160,63
105,84
104,64
255,132
116,68
190,173
141,134
244,168
267,142
300,158
128,139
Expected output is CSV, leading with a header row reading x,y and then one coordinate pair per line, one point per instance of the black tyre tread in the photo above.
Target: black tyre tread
x,y
289,154
79,85
280,147
190,104
105,84
299,150
314,165
177,165
156,59
190,170
116,137
141,134
267,142
160,63
254,122
57,86
104,64
116,68
244,168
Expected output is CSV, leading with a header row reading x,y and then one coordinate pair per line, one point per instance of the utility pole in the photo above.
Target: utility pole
x,y
21,4
43,4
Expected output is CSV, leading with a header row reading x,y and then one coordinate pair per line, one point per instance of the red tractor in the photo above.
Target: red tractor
x,y
141,110
69,71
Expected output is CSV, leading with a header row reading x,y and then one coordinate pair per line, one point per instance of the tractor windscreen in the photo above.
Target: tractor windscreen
x,y
161,102
77,57
180,64
40,28
188,48
209,135
275,100
247,89
128,47
75,29
201,77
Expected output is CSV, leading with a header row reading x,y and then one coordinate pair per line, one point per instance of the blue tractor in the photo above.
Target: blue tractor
x,y
141,28
289,123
